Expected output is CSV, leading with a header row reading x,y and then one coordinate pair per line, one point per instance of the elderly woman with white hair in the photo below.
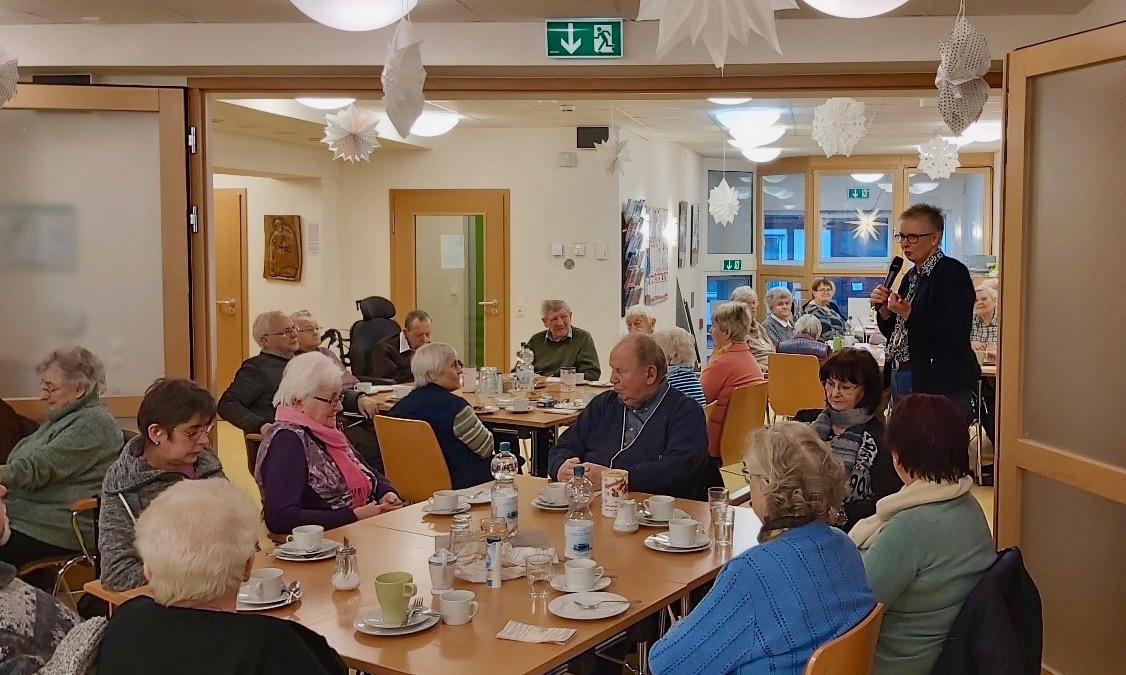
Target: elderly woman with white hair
x,y
757,339
806,339
779,322
640,319
63,461
195,565
307,470
467,445
680,350
802,586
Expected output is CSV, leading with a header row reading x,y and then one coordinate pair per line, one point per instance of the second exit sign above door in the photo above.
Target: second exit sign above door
x,y
584,38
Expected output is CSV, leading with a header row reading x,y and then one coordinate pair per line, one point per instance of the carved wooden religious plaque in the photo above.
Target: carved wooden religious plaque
x,y
282,259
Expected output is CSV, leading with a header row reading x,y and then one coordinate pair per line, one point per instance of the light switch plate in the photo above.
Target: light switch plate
x,y
557,250
601,250
578,249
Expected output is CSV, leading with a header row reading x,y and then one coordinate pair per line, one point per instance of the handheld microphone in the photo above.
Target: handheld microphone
x,y
893,271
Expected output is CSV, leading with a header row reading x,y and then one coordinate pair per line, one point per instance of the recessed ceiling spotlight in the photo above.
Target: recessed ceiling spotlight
x,y
729,101
324,103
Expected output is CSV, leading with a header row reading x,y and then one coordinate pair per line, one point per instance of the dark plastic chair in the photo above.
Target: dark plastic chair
x,y
377,323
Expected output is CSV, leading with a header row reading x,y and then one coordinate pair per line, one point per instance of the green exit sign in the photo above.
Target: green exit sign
x,y
858,193
584,38
732,265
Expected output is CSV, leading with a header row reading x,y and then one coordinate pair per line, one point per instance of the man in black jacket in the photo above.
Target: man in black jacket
x,y
927,322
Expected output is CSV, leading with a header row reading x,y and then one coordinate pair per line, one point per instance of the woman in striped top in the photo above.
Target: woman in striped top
x,y
680,349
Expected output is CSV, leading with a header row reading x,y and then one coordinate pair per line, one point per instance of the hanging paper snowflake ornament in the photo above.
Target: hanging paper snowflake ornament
x,y
938,158
867,225
613,153
963,63
723,203
714,22
838,124
403,79
351,134
8,76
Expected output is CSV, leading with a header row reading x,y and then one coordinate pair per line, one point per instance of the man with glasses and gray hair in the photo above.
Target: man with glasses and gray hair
x,y
927,322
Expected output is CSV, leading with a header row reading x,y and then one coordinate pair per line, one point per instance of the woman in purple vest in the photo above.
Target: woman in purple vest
x,y
466,444
307,470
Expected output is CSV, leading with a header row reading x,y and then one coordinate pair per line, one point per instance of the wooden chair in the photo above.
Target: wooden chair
x,y
708,410
412,458
61,564
746,411
851,653
795,383
252,442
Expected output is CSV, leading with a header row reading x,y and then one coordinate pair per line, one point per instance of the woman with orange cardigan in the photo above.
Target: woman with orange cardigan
x,y
732,365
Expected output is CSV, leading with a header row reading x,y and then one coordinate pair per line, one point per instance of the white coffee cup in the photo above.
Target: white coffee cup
x,y
365,387
582,574
306,537
554,493
660,507
682,531
520,404
265,583
442,566
401,390
444,500
458,607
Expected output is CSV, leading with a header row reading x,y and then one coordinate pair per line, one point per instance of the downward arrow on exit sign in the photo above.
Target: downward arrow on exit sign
x,y
584,38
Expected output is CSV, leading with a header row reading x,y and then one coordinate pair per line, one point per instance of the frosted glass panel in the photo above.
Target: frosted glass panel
x,y
445,280
1075,246
1074,545
842,239
962,200
80,247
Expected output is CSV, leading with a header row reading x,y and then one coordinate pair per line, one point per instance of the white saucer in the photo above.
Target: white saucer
x,y
649,522
601,384
660,542
361,624
244,597
564,606
245,604
288,553
484,495
462,508
546,506
559,583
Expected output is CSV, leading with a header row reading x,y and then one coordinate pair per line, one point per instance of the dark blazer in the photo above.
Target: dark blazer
x,y
388,362
938,330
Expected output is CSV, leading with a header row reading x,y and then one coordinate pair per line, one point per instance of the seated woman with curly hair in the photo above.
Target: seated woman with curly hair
x,y
774,604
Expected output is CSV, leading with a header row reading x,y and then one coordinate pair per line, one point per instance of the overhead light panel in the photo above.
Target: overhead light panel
x,y
923,187
729,101
355,15
747,119
855,9
325,103
762,154
774,179
432,123
748,138
983,132
867,177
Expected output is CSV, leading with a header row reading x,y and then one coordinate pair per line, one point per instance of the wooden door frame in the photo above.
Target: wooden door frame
x,y
244,287
168,105
1022,455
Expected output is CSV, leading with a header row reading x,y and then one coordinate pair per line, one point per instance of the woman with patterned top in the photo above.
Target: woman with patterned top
x,y
825,311
680,349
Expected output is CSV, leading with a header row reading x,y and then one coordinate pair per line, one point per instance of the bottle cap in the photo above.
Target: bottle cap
x,y
505,446
579,470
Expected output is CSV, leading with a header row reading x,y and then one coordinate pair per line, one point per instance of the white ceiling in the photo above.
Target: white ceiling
x,y
896,123
436,11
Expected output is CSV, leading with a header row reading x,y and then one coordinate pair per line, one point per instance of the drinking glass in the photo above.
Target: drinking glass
x,y
494,526
538,567
723,524
567,378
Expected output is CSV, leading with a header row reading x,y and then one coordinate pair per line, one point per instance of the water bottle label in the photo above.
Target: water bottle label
x,y
507,507
578,539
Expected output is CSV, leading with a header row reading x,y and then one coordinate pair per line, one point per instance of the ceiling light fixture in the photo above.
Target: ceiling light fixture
x,y
729,101
749,138
855,9
774,179
747,119
923,187
762,154
325,103
789,207
355,15
867,177
983,132
432,123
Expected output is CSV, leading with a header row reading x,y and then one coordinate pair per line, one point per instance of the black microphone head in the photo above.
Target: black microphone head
x,y
896,266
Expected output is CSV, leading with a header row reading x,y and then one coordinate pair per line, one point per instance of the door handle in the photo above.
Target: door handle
x,y
227,306
494,305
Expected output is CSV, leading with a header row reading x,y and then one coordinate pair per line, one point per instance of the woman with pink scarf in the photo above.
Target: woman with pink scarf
x,y
308,472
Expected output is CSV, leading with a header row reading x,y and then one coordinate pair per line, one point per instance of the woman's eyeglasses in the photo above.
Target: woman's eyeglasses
x,y
288,332
197,434
910,238
335,400
310,329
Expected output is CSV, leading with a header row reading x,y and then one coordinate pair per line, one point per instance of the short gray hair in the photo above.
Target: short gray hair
x,y
743,294
647,351
802,477
549,306
414,315
262,323
637,311
734,318
304,376
195,539
430,359
79,366
988,290
807,324
678,345
301,314
777,293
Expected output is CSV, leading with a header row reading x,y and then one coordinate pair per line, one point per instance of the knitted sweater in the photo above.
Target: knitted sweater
x,y
129,487
32,624
771,607
448,414
923,564
776,331
576,352
686,381
63,461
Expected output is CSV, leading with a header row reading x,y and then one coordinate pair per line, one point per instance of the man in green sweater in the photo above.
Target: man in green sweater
x,y
562,345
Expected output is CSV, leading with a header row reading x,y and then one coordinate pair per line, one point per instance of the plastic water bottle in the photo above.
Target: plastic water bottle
x,y
578,528
505,498
525,370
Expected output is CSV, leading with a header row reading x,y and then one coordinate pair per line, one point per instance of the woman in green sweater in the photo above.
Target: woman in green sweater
x,y
63,461
928,544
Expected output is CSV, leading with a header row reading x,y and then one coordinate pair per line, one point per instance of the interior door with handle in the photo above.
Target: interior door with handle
x,y
232,325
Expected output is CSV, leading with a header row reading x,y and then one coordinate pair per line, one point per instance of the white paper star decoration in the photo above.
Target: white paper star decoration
x,y
964,61
350,134
613,153
723,203
838,124
867,225
938,158
713,21
403,79
8,76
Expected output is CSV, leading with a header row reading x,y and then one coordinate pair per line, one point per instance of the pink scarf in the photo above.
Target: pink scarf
x,y
359,485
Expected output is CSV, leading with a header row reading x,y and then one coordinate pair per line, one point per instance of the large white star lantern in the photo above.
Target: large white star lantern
x,y
403,79
714,22
867,224
613,153
963,63
938,158
8,76
350,134
838,124
723,203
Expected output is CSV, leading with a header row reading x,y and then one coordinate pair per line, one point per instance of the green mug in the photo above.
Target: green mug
x,y
394,590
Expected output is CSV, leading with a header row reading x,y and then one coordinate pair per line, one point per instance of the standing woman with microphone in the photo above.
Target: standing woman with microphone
x,y
927,321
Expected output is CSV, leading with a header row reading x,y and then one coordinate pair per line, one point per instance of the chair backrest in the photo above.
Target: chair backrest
x,y
412,458
376,325
851,653
795,383
746,411
708,410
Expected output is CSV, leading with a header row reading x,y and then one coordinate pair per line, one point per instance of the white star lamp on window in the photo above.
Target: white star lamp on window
x,y
867,225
